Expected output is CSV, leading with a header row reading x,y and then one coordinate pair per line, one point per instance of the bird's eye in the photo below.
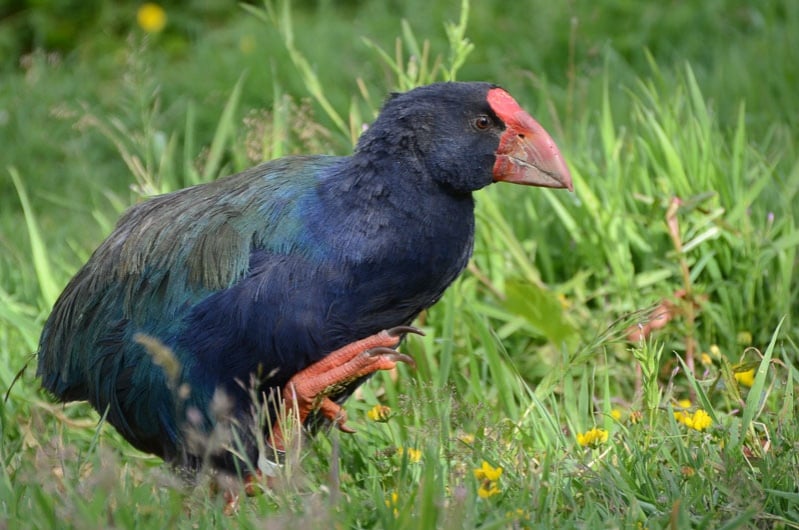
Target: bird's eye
x,y
482,122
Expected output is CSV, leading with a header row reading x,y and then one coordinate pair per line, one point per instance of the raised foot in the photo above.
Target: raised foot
x,y
308,390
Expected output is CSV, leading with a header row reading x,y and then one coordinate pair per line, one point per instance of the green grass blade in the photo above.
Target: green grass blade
x,y
755,395
48,287
224,131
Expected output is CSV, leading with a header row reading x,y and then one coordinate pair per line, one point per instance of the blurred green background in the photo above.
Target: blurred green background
x,y
56,52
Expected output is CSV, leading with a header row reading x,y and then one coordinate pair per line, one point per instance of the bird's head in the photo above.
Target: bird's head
x,y
466,136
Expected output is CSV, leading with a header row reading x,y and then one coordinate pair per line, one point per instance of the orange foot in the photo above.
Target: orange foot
x,y
308,389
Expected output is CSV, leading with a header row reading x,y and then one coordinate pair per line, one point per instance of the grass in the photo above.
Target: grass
x,y
682,229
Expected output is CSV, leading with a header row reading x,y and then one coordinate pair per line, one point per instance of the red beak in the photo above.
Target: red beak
x,y
526,153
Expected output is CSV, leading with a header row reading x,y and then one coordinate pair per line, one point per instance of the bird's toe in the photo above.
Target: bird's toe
x,y
391,355
398,331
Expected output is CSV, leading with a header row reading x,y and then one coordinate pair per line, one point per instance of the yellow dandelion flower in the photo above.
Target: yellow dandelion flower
x,y
706,359
593,438
701,420
681,415
379,413
746,378
486,472
615,414
488,489
488,476
698,421
392,501
151,17
715,351
414,455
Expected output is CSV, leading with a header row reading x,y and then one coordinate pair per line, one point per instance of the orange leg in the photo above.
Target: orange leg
x,y
307,390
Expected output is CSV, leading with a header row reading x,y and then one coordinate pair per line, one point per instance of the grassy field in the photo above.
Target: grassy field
x,y
622,357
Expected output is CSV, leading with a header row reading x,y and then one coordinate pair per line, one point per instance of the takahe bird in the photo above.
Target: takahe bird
x,y
301,274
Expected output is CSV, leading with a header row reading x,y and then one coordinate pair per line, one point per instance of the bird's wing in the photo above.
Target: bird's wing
x,y
164,256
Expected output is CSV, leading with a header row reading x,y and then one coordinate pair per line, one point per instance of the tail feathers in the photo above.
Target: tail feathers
x,y
122,384
67,336
62,381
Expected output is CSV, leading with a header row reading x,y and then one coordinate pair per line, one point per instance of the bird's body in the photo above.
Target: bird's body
x,y
258,276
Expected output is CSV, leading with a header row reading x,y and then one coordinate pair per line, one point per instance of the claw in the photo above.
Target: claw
x,y
343,427
333,412
393,355
401,330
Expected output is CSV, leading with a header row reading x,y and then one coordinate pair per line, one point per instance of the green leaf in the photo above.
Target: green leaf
x,y
543,311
